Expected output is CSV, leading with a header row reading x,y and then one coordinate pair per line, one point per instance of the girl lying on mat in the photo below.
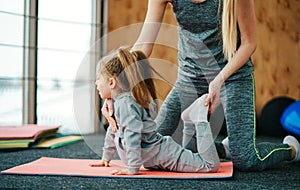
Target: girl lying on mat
x,y
125,77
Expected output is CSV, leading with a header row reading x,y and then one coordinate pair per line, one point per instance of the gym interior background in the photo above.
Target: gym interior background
x,y
44,67
44,44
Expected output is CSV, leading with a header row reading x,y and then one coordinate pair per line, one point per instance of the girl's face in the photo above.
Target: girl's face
x,y
103,87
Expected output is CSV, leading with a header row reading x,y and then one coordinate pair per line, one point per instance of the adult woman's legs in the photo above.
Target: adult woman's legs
x,y
239,108
169,114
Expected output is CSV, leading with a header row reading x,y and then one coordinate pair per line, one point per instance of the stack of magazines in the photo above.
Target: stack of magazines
x,y
34,136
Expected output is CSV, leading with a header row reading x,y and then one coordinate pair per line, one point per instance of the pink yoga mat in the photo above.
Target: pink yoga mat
x,y
80,167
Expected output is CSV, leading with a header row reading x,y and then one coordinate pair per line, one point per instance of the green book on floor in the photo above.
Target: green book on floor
x,y
7,144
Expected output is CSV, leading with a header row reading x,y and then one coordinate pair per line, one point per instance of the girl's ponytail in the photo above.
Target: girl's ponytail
x,y
136,76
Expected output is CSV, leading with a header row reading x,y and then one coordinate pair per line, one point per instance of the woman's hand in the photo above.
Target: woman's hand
x,y
122,172
108,112
101,163
214,90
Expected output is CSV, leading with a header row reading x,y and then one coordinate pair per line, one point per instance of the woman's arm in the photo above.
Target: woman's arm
x,y
150,29
247,25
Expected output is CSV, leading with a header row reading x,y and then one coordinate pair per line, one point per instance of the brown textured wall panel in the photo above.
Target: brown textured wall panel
x,y
277,58
125,12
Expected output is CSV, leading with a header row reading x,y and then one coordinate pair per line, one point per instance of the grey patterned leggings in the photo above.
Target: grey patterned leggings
x,y
238,100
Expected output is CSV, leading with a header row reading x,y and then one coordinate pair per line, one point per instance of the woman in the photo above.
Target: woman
x,y
228,79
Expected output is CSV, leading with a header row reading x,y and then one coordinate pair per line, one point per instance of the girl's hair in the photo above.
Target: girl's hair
x,y
229,28
133,73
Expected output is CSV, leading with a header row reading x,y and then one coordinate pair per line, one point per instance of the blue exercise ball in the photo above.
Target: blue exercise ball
x,y
290,118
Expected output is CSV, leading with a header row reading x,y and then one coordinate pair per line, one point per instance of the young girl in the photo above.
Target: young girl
x,y
124,76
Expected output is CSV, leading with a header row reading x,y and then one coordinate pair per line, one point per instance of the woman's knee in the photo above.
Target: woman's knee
x,y
246,163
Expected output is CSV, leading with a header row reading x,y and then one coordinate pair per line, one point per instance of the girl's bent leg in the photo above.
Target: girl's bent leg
x,y
206,159
188,136
206,146
195,113
195,120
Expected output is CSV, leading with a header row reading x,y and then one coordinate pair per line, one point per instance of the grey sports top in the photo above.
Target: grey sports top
x,y
200,40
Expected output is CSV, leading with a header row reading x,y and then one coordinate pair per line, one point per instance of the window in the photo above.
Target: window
x,y
64,36
63,31
11,56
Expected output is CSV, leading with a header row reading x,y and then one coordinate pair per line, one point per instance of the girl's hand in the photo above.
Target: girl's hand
x,y
108,111
101,163
122,172
214,90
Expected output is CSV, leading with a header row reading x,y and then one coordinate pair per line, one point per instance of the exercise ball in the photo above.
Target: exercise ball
x,y
269,121
290,118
